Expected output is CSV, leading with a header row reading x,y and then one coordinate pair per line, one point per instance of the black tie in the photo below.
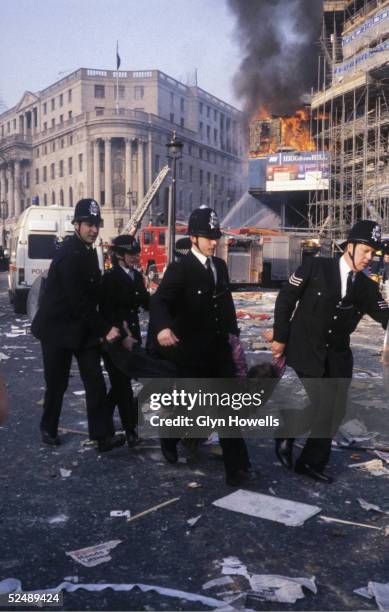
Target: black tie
x,y
209,270
349,284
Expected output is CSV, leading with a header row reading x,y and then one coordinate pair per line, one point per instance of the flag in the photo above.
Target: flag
x,y
117,56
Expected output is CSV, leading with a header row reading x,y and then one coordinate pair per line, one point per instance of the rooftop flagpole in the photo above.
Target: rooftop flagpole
x,y
117,75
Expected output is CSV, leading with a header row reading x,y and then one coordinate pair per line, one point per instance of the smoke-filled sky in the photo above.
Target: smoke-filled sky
x,y
279,45
43,40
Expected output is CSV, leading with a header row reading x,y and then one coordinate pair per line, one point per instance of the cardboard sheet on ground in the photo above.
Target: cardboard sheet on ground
x,y
13,585
286,511
377,590
281,588
94,555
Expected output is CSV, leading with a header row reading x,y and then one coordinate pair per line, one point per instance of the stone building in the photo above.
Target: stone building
x,y
103,133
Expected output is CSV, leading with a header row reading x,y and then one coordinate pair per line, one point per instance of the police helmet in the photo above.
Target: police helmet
x,y
365,232
125,244
87,210
204,222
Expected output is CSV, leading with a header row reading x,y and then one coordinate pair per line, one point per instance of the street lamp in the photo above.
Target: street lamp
x,y
3,216
174,152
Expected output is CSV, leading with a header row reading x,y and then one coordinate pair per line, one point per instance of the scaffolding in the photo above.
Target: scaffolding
x,y
350,112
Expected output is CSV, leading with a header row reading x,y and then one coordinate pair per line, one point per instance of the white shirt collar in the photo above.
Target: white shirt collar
x,y
202,258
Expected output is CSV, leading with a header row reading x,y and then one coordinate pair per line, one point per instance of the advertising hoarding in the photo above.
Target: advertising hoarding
x,y
298,171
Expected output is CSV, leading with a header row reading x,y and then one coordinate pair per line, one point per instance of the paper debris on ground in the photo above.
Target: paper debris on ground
x,y
193,521
13,585
375,467
382,455
233,566
118,513
60,518
3,357
217,582
94,555
332,519
286,511
65,473
378,591
280,588
193,485
368,506
79,392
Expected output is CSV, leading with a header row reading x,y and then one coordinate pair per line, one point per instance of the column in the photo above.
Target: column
x,y
128,169
108,172
3,195
11,211
141,171
17,189
96,170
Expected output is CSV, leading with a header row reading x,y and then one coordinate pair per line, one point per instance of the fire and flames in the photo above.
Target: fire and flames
x,y
268,134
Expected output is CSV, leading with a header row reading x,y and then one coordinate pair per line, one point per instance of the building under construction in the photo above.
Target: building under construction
x,y
351,110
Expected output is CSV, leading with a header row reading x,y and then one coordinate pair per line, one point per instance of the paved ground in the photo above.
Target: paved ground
x,y
44,515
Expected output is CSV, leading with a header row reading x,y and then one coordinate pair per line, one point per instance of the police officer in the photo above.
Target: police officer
x,y
191,316
332,295
68,323
123,293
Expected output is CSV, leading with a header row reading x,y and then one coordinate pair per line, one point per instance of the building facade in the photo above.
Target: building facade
x,y
103,133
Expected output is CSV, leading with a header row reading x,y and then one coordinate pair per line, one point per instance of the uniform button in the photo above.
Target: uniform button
x,y
216,319
327,345
215,305
199,291
335,316
340,303
136,292
132,324
319,293
330,331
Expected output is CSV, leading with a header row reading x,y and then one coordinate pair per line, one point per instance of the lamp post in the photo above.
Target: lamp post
x,y
174,152
3,215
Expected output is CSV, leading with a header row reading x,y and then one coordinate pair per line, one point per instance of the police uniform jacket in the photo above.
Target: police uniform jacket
x,y
198,312
68,313
121,298
319,328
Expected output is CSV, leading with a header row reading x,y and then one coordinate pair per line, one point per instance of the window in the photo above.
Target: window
x,y
99,91
70,165
53,197
45,150
190,149
171,98
121,92
52,171
190,200
14,124
27,180
45,108
208,132
61,168
208,111
172,117
162,239
61,99
147,237
180,200
53,122
44,174
45,126
201,176
201,106
42,246
70,140
200,153
201,128
61,118
182,122
180,170
8,127
37,152
61,197
208,178
139,92
70,196
53,146
70,114
215,115
99,110
62,143
53,104
156,164
37,176
191,174
182,105
80,162
45,199
69,95
215,135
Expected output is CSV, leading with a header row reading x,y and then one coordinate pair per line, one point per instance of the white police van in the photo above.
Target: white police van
x,y
35,238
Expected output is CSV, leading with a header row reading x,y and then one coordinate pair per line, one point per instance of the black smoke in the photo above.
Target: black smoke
x,y
279,40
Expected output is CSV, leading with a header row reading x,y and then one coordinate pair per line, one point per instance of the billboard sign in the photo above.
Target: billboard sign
x,y
298,171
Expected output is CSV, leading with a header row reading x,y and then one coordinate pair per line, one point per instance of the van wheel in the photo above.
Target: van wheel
x,y
11,296
20,305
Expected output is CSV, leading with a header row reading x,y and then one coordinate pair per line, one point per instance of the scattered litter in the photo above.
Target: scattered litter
x,y
217,582
368,506
166,503
75,431
378,591
65,473
272,491
61,518
192,521
194,485
12,585
375,467
232,565
118,513
3,357
94,555
79,392
280,588
382,455
331,519
71,578
288,512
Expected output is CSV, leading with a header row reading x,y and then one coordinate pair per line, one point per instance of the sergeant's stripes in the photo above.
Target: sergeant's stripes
x,y
382,304
295,280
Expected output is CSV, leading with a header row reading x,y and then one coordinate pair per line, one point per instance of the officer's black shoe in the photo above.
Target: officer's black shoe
x,y
237,478
168,450
110,442
132,438
49,439
307,470
284,451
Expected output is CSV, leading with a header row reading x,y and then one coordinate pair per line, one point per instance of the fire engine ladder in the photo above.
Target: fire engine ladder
x,y
141,209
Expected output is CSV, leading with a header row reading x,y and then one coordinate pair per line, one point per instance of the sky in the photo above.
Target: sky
x,y
43,40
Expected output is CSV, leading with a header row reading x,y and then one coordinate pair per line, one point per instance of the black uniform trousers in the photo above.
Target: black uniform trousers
x,y
218,364
121,395
57,362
